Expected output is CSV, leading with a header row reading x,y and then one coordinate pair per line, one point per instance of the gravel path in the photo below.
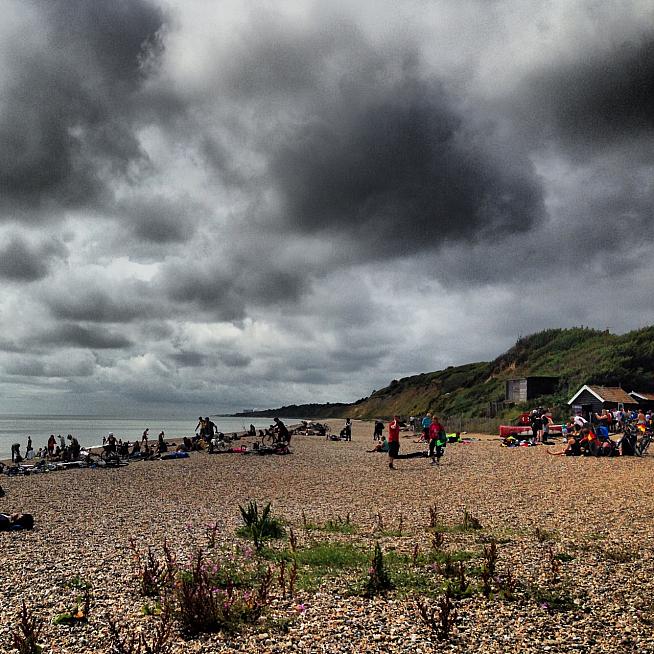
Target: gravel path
x,y
597,514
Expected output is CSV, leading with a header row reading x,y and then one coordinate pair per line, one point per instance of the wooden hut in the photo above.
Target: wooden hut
x,y
524,389
592,399
645,400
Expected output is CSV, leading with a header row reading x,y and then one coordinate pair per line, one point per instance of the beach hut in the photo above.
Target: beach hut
x,y
592,399
645,400
524,389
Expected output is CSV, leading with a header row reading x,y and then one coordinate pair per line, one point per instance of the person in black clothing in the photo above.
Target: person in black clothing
x,y
536,426
379,430
283,432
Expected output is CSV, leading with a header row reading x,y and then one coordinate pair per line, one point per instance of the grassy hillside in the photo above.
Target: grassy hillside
x,y
577,356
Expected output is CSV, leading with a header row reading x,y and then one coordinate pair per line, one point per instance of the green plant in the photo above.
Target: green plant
x,y
340,525
379,580
137,642
79,614
207,602
543,536
440,618
488,566
26,636
259,527
459,586
152,573
470,522
551,599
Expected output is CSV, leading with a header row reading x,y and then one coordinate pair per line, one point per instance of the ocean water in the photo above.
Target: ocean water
x,y
89,430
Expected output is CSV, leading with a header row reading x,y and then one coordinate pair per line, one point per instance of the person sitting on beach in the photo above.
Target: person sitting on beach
x,y
161,443
16,521
136,449
382,446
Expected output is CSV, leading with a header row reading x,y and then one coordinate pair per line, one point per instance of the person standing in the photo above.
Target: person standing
x,y
379,430
545,420
426,424
282,431
536,426
437,440
393,441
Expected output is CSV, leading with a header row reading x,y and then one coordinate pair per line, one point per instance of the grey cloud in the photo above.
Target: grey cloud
x,y
32,367
74,335
603,96
160,220
95,305
189,359
367,145
70,119
22,262
234,359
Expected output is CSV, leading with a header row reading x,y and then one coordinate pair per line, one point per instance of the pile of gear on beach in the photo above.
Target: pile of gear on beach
x,y
67,453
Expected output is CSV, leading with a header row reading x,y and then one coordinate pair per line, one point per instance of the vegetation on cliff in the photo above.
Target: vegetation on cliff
x,y
577,356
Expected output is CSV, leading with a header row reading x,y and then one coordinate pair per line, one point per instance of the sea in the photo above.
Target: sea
x,y
89,430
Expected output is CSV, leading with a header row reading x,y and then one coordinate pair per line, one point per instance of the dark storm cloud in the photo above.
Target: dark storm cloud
x,y
72,91
603,95
365,144
78,336
22,262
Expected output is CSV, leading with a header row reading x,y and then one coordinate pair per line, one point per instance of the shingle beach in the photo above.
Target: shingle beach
x,y
594,515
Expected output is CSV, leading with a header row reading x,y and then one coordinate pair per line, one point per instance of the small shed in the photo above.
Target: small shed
x,y
527,388
592,399
645,400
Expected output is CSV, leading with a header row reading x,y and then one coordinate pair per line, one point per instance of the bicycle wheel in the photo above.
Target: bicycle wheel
x,y
644,444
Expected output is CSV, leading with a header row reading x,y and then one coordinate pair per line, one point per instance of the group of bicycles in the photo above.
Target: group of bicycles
x,y
641,439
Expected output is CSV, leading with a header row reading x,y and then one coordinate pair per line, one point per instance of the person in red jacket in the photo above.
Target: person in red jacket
x,y
393,441
437,440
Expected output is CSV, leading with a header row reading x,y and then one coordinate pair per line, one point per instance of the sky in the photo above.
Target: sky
x,y
214,206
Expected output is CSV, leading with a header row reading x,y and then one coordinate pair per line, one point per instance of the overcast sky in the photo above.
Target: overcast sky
x,y
209,206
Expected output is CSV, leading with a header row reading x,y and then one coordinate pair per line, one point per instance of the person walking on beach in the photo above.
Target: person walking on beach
x,y
393,441
437,440
52,442
144,438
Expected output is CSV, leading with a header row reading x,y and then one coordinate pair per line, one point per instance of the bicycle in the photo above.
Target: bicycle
x,y
643,443
272,439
